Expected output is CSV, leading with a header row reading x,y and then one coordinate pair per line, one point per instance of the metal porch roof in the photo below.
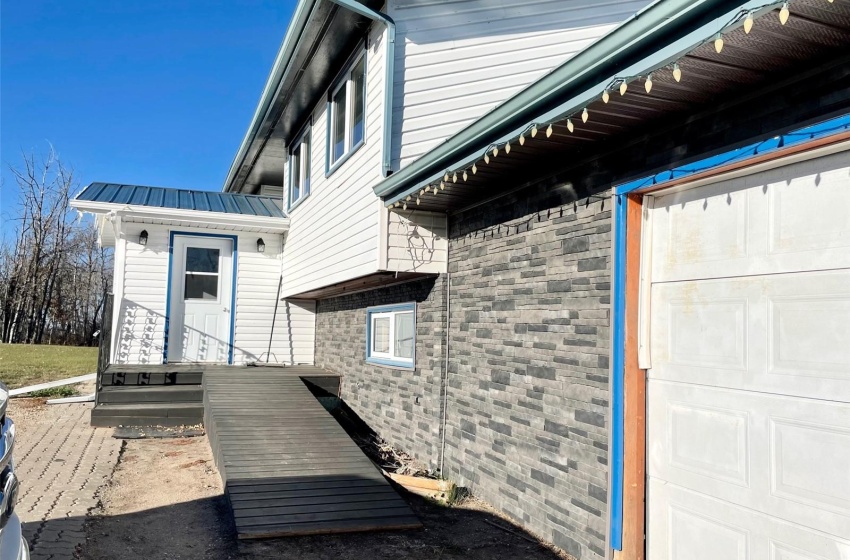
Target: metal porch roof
x,y
182,199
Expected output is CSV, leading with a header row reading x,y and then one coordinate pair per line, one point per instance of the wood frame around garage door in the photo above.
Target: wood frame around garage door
x,y
634,378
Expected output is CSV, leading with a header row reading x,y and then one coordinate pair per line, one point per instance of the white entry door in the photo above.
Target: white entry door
x,y
748,393
201,298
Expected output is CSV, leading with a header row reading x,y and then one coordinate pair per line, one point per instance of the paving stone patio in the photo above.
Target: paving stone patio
x,y
61,462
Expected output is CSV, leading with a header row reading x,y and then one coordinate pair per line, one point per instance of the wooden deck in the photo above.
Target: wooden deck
x,y
288,467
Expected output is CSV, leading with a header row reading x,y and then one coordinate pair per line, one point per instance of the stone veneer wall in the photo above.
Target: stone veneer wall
x,y
385,397
528,361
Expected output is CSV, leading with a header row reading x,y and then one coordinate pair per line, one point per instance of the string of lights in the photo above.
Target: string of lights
x,y
744,18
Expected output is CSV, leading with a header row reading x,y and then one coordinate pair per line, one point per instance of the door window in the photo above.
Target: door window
x,y
201,277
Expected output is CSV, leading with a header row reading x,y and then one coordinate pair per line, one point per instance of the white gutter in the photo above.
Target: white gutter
x,y
199,217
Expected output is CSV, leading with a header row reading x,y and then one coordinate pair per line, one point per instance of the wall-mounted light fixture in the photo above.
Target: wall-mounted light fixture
x,y
261,245
143,237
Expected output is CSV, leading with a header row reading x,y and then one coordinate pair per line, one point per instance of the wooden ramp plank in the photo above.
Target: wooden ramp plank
x,y
288,467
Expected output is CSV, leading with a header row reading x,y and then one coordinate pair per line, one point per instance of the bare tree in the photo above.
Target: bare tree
x,y
55,276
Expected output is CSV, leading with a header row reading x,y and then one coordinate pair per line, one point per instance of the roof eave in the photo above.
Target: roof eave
x,y
199,217
300,20
660,23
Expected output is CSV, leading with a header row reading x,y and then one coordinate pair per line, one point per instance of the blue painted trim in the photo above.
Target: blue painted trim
x,y
411,306
799,136
235,257
618,373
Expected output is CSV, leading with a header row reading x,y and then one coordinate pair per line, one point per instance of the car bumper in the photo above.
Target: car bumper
x,y
13,545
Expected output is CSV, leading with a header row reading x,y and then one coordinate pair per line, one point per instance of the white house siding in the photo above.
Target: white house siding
x,y
457,60
416,242
140,322
333,233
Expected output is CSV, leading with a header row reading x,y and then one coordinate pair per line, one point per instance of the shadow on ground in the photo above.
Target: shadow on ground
x,y
204,529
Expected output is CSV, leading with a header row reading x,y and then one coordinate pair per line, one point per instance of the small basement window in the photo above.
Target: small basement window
x,y
347,113
391,335
299,168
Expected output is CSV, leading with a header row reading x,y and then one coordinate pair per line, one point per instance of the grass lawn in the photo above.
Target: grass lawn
x,y
28,364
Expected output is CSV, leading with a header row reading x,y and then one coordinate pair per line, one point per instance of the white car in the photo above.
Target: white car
x,y
13,546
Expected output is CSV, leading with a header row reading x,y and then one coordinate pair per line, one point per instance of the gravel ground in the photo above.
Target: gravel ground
x,y
165,500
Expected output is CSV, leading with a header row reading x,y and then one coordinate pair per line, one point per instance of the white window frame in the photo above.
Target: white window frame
x,y
346,82
389,358
304,177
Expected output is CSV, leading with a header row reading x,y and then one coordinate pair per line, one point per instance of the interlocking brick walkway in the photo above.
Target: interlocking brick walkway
x,y
61,462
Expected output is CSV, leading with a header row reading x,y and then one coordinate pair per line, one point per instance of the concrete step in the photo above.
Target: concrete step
x,y
140,394
146,414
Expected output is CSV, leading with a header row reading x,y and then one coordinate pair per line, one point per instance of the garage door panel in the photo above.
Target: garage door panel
x,y
785,457
789,219
679,527
787,333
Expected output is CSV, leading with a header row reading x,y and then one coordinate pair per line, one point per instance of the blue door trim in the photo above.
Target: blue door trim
x,y
234,240
799,136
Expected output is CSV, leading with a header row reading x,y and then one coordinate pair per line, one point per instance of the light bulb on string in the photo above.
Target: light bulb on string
x,y
486,158
623,87
677,72
784,14
748,23
605,96
495,151
454,178
718,43
508,148
442,186
585,115
549,131
570,126
647,85
474,169
522,139
465,176
534,131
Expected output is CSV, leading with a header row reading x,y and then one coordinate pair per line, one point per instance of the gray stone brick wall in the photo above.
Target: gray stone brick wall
x,y
528,361
386,398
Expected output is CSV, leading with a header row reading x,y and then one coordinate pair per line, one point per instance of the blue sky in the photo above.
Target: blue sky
x,y
145,92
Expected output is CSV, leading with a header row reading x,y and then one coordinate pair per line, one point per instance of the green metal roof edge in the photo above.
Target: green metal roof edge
x,y
657,25
300,20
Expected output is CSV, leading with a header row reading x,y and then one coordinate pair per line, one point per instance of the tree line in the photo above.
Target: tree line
x,y
54,277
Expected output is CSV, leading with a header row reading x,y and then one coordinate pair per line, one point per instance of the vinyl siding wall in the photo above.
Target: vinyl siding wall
x,y
416,241
140,323
334,232
457,60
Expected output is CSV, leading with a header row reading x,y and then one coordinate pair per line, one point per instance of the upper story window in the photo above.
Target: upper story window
x,y
299,168
391,335
347,113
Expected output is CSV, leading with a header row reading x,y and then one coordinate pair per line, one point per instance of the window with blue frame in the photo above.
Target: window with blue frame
x,y
299,168
391,335
347,112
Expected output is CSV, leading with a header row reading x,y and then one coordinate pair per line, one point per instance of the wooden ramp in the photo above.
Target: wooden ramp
x,y
287,466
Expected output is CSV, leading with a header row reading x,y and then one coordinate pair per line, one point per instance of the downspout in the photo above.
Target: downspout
x,y
446,367
389,67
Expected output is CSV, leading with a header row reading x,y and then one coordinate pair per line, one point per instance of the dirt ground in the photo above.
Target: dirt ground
x,y
165,501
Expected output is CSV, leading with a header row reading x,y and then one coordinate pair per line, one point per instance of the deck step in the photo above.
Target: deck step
x,y
128,394
146,414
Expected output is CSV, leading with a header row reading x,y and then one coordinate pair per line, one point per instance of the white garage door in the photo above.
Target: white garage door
x,y
748,396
